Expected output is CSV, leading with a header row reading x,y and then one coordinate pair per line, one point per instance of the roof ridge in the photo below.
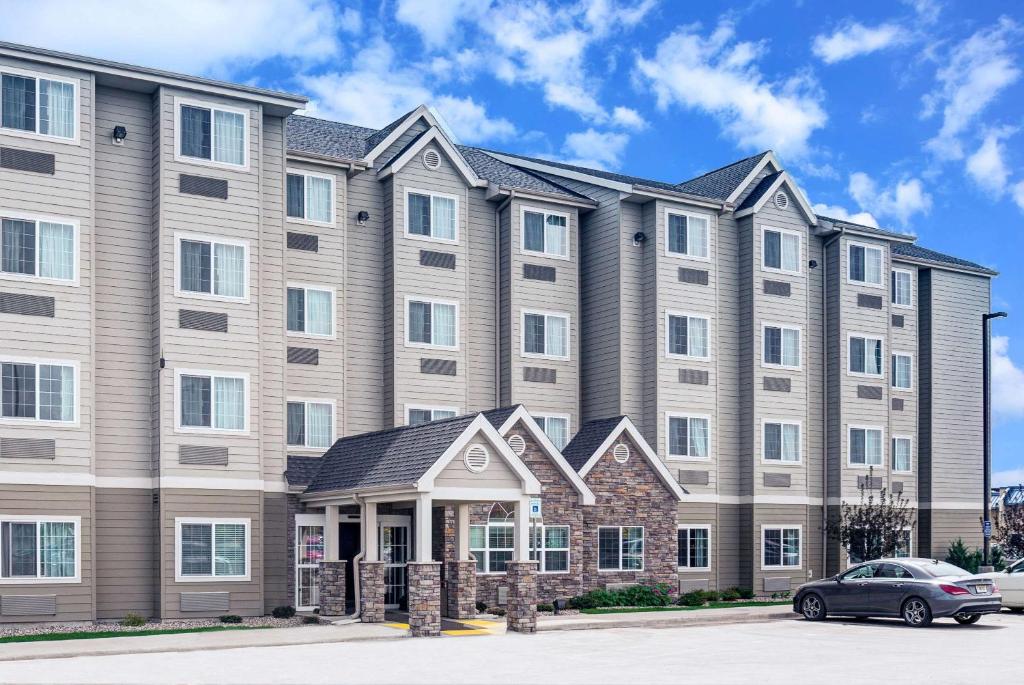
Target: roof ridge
x,y
331,121
724,167
399,429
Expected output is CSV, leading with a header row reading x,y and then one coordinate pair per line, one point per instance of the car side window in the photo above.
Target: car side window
x,y
860,573
892,571
1018,569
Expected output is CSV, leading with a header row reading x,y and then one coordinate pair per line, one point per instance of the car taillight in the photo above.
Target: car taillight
x,y
955,590
995,589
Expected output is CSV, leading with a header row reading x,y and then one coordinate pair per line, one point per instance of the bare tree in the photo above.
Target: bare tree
x,y
877,527
1008,531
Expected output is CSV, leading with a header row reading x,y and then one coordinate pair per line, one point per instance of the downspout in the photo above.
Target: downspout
x,y
824,404
497,292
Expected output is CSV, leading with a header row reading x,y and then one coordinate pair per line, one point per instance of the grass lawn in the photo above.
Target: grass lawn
x,y
88,635
712,605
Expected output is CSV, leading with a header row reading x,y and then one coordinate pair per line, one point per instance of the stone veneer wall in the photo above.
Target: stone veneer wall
x,y
522,597
332,588
371,591
461,597
424,579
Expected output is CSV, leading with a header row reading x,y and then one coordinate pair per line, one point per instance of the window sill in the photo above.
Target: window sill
x,y
40,581
620,570
432,239
209,297
32,135
679,255
687,569
545,255
212,579
863,467
206,430
40,423
864,284
310,222
683,458
686,357
428,346
28,278
780,367
199,161
311,336
902,306
782,272
783,568
869,376
551,358
779,462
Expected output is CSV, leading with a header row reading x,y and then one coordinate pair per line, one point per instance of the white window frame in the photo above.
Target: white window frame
x,y
18,215
178,428
799,256
74,83
409,408
541,560
765,566
881,264
689,315
620,569
306,521
212,106
308,401
213,240
523,209
849,447
910,290
431,301
334,311
892,364
546,315
432,194
696,215
310,174
764,447
910,452
38,361
42,580
550,415
669,456
849,357
486,549
800,345
691,568
212,578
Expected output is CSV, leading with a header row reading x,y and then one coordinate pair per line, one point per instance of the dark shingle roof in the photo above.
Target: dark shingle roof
x,y
497,417
720,183
497,171
300,470
598,173
923,254
590,436
328,138
398,456
760,189
375,139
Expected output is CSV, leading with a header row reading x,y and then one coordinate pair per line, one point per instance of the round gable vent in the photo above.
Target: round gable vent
x,y
431,159
781,200
517,444
621,453
477,458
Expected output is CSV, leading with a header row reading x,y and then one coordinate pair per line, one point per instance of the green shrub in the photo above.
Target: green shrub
x,y
711,596
283,612
731,595
230,618
481,607
133,620
745,593
634,596
545,607
692,599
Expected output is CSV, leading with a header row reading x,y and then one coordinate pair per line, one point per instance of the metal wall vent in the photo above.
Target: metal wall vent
x,y
517,444
534,374
304,355
204,186
477,458
781,200
431,159
440,260
693,477
694,276
535,272
27,160
27,305
303,241
621,453
442,367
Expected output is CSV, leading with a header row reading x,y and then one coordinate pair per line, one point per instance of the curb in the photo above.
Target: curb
x,y
667,622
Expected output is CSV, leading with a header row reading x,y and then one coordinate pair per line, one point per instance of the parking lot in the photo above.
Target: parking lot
x,y
776,652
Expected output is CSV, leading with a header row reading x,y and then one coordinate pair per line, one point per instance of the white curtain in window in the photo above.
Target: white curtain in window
x,y
873,447
444,217
228,137
557,430
229,270
556,239
790,347
873,266
790,252
318,198
229,403
556,335
697,335
698,438
229,547
57,549
56,108
319,417
697,236
319,312
56,250
790,442
444,324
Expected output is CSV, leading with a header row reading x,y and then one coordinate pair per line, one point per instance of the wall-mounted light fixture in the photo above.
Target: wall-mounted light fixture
x,y
639,238
120,133
362,217
813,263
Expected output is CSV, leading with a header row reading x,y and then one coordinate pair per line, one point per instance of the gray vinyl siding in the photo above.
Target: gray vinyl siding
x,y
732,317
505,341
125,553
785,515
276,558
482,272
947,526
834,367
274,268
705,514
904,423
632,312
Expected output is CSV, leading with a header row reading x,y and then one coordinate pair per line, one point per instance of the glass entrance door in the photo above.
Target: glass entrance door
x,y
309,552
393,536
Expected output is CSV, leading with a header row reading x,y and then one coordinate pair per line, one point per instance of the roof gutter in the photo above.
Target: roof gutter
x,y
351,165
661,193
988,273
586,203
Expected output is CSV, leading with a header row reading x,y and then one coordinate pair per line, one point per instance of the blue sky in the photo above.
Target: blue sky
x,y
904,114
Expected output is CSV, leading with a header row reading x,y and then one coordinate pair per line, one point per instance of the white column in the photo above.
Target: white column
x,y
331,544
370,551
424,528
523,529
462,532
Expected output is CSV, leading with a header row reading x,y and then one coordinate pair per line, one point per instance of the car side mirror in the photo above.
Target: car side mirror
x,y
838,579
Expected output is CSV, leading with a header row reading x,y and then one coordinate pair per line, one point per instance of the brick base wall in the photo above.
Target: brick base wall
x,y
424,598
332,588
371,591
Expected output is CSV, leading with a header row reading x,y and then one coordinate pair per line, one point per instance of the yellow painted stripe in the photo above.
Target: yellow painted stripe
x,y
479,623
399,626
468,631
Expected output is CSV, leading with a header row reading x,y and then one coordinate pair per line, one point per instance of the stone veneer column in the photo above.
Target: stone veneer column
x,y
461,579
371,591
332,588
424,598
521,612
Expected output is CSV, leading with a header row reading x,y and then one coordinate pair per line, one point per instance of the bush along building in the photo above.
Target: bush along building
x,y
253,359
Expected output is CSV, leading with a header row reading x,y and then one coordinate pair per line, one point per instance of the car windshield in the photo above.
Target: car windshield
x,y
941,569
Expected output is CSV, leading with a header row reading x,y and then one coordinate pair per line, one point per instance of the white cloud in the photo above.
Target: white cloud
x,y
1007,381
837,212
626,117
1002,479
853,39
350,21
987,166
718,75
469,122
595,149
436,20
192,36
1018,195
901,201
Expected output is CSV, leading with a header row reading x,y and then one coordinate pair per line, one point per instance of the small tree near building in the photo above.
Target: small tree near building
x,y
1008,531
880,526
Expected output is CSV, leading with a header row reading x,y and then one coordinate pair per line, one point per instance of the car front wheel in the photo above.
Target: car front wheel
x,y
917,613
812,607
967,619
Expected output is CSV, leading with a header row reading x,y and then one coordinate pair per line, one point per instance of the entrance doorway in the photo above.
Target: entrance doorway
x,y
393,543
349,544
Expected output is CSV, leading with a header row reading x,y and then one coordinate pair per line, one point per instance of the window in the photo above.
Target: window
x,y
310,423
432,323
211,267
902,371
904,548
901,459
545,335
781,442
415,416
38,390
212,400
865,545
780,250
550,546
865,264
688,436
545,233
37,105
620,548
902,288
39,549
686,336
311,310
212,548
694,550
781,347
780,546
865,446
494,544
429,215
865,356
38,249
556,428
686,234
309,552
212,133
310,197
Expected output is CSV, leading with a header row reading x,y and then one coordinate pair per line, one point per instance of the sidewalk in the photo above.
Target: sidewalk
x,y
666,619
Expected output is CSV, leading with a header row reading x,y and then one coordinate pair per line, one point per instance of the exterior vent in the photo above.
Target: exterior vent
x,y
205,601
216,188
533,374
776,585
440,260
897,321
28,305
303,241
781,200
303,355
441,367
535,272
27,160
202,455
869,301
869,482
897,404
773,384
517,444
693,477
431,159
694,276
776,480
621,453
477,458
28,605
897,486
203,321
779,288
693,376
28,448
869,392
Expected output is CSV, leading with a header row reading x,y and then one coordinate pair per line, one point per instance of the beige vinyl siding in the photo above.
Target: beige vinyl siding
x,y
704,514
632,310
730,320
481,313
506,344
498,474
834,368
276,567
904,423
946,526
731,546
125,549
784,515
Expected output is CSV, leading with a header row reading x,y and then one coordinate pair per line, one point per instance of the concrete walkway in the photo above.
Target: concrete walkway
x,y
666,619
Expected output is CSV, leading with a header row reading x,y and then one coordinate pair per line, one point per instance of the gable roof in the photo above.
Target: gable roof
x,y
586,441
721,183
413,147
916,253
506,175
326,138
759,191
767,187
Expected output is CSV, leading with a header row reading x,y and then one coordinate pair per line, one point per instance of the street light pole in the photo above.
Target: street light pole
x,y
986,351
